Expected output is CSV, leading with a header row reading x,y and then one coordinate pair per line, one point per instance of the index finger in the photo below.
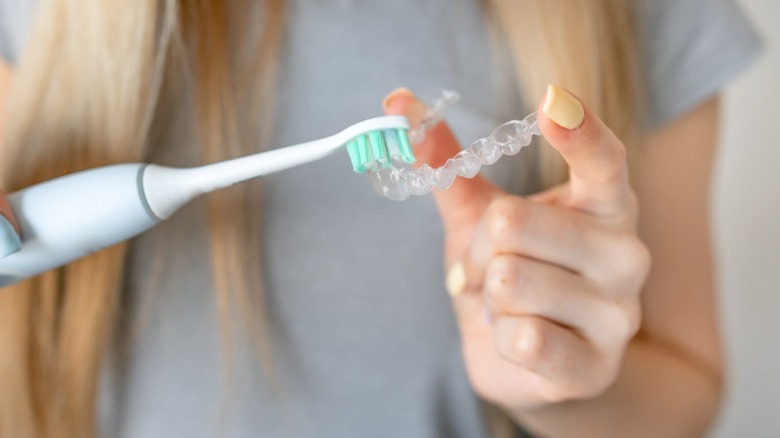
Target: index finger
x,y
598,169
461,205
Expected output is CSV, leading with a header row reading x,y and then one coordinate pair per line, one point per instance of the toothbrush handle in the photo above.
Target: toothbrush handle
x,y
72,216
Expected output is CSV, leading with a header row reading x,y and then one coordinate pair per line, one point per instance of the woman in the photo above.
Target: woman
x,y
354,334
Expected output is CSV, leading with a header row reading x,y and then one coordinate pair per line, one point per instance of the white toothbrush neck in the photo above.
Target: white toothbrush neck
x,y
168,189
226,173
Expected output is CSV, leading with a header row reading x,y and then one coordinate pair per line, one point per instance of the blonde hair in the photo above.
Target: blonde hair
x,y
87,94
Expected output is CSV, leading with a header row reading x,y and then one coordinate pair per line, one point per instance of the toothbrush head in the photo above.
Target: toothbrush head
x,y
378,149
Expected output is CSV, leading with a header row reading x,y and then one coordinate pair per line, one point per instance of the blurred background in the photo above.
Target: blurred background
x,y
747,232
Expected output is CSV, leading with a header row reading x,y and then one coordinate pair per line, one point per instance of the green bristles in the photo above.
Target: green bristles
x,y
354,155
406,146
379,148
363,153
391,140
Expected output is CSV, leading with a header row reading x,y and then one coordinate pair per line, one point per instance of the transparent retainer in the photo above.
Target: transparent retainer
x,y
508,139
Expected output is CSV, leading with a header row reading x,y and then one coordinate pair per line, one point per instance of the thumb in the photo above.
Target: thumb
x,y
598,168
462,205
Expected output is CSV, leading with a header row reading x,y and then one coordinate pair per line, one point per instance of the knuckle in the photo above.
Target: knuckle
x,y
503,277
531,344
507,216
633,318
632,258
625,318
639,256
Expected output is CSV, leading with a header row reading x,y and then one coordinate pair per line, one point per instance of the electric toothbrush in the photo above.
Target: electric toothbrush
x,y
67,218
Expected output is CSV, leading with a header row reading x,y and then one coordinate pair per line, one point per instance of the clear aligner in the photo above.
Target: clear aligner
x,y
435,115
399,183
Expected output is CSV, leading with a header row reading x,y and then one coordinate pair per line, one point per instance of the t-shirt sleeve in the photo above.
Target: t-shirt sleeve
x,y
15,20
691,49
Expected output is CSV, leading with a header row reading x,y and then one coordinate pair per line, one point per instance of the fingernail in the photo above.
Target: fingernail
x,y
563,108
9,239
416,110
456,279
393,94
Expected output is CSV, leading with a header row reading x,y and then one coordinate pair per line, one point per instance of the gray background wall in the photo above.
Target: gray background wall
x,y
747,231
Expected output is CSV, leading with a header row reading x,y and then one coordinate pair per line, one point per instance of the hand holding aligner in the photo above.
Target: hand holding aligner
x,y
399,183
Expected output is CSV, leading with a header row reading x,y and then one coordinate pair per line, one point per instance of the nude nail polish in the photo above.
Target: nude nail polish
x,y
416,110
456,279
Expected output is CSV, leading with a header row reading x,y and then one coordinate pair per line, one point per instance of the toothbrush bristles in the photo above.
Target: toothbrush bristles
x,y
391,140
378,149
354,156
406,146
363,155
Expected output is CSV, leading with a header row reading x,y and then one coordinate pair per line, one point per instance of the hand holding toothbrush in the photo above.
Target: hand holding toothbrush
x,y
546,288
9,229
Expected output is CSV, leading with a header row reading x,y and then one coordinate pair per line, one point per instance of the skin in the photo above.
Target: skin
x,y
582,338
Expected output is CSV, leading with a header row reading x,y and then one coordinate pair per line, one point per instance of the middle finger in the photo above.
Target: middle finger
x,y
551,234
517,286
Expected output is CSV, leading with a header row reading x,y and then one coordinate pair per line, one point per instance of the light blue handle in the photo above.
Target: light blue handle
x,y
75,215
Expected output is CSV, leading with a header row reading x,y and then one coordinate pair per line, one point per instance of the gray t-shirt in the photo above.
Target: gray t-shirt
x,y
364,339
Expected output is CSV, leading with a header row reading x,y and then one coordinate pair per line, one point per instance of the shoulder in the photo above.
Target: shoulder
x,y
690,50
